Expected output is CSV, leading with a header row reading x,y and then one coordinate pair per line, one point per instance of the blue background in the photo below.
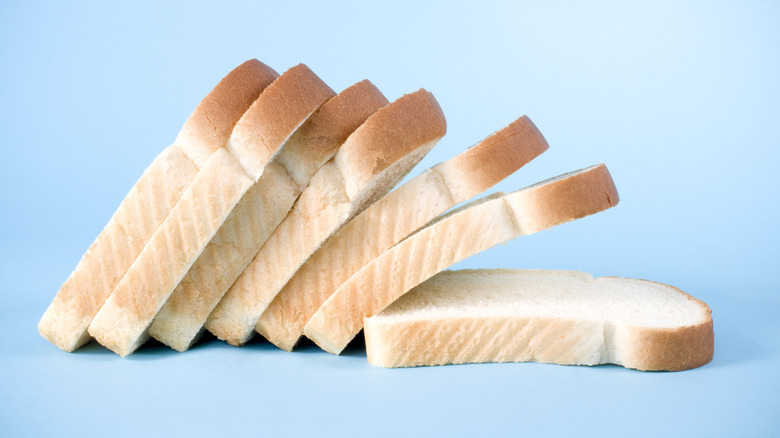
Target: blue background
x,y
679,99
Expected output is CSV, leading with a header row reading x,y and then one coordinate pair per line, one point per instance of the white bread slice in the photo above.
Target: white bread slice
x,y
378,154
180,321
560,317
148,203
122,322
452,238
392,219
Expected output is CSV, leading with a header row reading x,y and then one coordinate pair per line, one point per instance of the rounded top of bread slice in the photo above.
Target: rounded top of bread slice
x,y
548,294
210,124
493,159
279,111
317,140
389,143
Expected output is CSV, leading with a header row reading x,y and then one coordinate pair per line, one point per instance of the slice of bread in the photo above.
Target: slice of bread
x,y
181,319
122,323
147,204
452,238
378,154
560,317
392,219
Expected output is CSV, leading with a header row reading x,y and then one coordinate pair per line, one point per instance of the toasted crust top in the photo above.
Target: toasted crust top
x,y
328,128
275,115
493,159
544,205
390,134
209,126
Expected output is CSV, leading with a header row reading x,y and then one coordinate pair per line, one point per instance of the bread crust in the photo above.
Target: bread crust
x,y
493,159
393,218
559,200
283,107
450,240
321,137
675,349
407,336
209,126
369,163
145,207
389,135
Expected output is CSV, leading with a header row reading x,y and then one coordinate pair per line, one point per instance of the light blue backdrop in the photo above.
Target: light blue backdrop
x,y
680,99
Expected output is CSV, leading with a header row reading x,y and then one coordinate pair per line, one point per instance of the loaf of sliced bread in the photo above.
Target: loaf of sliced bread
x,y
393,218
148,203
560,317
122,322
181,319
378,154
452,238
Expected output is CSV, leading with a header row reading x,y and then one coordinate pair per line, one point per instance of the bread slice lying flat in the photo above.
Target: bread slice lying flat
x,y
147,205
560,317
181,319
371,161
121,324
393,218
452,238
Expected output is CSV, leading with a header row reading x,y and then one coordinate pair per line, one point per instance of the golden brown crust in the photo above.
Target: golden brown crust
x,y
275,115
493,159
544,205
387,136
209,126
316,141
672,349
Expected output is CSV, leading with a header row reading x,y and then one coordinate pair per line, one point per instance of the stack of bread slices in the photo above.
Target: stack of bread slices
x,y
273,212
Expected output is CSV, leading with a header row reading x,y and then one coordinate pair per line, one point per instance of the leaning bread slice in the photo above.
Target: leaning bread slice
x,y
147,204
371,161
393,218
181,319
560,317
122,322
452,238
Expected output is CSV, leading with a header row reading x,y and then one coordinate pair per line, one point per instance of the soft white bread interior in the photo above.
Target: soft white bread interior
x,y
452,238
181,319
393,218
560,317
147,204
379,153
122,323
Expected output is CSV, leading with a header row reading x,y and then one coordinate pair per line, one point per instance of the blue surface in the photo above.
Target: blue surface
x,y
681,101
